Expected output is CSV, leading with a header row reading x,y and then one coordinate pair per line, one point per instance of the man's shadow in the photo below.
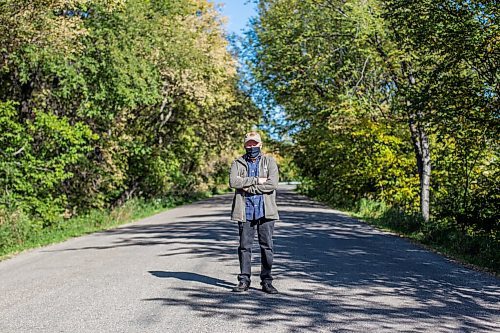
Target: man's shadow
x,y
188,276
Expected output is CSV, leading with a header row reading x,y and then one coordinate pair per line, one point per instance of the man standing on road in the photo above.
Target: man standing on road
x,y
255,178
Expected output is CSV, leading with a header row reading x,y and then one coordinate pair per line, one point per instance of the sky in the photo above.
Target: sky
x,y
238,13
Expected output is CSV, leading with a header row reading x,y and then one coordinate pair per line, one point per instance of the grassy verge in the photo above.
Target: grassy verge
x,y
18,232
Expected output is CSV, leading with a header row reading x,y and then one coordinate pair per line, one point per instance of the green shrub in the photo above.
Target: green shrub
x,y
15,228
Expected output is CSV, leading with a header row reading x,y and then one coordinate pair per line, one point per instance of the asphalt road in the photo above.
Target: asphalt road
x,y
173,272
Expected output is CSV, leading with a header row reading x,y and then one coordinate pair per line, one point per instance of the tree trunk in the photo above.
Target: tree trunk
x,y
421,145
418,136
423,156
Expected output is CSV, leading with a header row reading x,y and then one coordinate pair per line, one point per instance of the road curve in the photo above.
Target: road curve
x,y
173,272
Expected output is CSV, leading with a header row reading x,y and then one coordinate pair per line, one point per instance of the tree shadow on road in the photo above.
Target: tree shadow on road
x,y
334,273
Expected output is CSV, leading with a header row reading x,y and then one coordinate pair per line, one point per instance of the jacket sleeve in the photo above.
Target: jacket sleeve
x,y
238,182
270,184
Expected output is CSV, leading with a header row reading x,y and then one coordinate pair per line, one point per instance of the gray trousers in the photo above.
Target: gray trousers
x,y
265,229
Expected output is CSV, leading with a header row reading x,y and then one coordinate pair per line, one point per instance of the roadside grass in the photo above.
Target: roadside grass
x,y
19,233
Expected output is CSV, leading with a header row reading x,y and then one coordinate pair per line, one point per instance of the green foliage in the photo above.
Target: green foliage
x,y
132,99
15,228
32,169
284,156
319,64
455,55
389,101
388,216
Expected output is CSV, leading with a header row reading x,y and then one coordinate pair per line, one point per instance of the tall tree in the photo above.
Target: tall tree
x,y
117,99
341,68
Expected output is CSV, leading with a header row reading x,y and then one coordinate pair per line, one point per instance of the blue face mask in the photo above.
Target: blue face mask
x,y
253,152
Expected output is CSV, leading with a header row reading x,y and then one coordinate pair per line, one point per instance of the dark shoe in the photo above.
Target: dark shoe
x,y
242,286
268,288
